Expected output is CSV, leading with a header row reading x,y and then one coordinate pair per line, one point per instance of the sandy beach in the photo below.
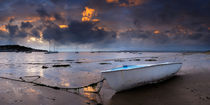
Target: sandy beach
x,y
190,86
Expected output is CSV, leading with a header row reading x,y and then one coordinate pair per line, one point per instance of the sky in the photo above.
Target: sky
x,y
69,25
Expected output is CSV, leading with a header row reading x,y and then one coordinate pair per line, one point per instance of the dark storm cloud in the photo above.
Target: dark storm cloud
x,y
165,15
161,12
180,22
15,32
168,38
158,12
146,36
58,17
13,35
25,25
42,12
35,33
79,33
13,29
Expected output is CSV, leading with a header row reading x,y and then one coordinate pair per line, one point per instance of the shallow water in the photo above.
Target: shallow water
x,y
83,65
85,69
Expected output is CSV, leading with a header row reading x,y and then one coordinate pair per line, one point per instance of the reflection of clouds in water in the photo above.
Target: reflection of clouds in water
x,y
34,70
64,82
32,91
87,93
14,91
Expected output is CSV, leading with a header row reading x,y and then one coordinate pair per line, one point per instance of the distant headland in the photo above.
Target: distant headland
x,y
18,48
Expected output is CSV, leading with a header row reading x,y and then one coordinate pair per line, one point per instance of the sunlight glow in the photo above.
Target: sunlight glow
x,y
34,39
3,28
63,26
88,15
156,32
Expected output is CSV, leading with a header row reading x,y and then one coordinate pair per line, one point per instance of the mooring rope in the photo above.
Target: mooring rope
x,y
76,89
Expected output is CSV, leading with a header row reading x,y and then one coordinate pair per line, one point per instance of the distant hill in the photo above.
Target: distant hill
x,y
18,48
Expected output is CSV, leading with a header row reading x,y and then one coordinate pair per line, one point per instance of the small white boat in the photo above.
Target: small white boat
x,y
128,77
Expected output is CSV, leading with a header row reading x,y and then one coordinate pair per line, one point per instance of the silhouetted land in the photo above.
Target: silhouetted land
x,y
18,48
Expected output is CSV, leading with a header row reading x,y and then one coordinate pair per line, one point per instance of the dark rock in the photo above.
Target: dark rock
x,y
44,67
63,65
136,59
105,63
78,62
119,60
150,60
69,60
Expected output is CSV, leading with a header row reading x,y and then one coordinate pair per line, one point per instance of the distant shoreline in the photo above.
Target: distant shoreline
x,y
18,48
139,51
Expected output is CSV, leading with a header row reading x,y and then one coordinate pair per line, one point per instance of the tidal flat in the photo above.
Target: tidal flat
x,y
190,86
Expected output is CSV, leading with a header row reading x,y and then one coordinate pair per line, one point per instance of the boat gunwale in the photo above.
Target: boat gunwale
x,y
160,64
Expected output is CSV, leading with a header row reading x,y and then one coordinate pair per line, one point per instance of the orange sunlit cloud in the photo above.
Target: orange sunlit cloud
x,y
31,19
88,15
11,17
95,20
49,19
36,18
63,26
112,1
135,2
156,32
3,28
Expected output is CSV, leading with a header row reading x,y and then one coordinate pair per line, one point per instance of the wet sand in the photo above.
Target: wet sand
x,y
190,86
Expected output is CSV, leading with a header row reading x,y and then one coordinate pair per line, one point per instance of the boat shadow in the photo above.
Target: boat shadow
x,y
147,94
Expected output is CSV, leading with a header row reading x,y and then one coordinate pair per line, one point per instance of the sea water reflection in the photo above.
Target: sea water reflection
x,y
85,67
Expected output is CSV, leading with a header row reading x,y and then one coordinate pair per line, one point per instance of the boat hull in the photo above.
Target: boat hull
x,y
126,79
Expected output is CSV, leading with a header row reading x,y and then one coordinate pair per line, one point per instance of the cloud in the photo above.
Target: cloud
x,y
122,22
25,25
161,12
79,33
42,12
